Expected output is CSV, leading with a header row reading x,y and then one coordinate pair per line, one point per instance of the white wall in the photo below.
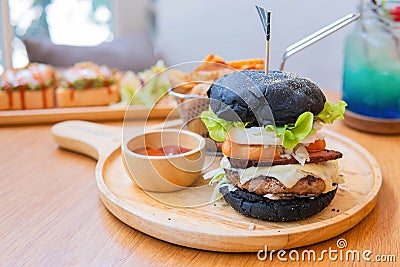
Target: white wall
x,y
130,16
189,30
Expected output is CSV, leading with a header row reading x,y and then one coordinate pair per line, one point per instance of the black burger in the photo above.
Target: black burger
x,y
276,166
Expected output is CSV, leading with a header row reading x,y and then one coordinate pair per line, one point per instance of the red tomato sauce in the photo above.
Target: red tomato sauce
x,y
163,151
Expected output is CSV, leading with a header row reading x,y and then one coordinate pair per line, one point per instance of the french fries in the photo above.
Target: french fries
x,y
199,81
249,64
212,67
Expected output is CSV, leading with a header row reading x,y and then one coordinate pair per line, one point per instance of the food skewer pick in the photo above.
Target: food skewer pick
x,y
265,17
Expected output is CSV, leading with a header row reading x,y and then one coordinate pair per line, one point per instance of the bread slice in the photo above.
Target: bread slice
x,y
30,87
66,97
27,99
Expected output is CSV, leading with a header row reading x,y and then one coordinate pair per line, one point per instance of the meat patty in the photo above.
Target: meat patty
x,y
320,156
268,185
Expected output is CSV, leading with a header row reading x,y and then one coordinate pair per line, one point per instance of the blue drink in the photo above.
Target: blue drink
x,y
371,79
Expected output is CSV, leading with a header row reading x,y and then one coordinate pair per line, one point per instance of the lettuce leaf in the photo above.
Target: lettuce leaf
x,y
146,87
293,134
217,127
130,82
332,112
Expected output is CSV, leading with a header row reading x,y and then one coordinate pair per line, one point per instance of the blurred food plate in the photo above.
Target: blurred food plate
x,y
84,91
139,91
99,113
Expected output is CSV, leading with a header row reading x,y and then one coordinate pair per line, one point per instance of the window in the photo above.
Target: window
x,y
72,22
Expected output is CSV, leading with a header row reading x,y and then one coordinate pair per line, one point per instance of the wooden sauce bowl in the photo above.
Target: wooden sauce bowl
x,y
164,173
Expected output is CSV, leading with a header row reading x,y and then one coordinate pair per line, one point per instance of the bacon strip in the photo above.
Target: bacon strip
x,y
320,156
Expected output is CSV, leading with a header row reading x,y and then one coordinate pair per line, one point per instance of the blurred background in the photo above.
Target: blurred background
x,y
182,31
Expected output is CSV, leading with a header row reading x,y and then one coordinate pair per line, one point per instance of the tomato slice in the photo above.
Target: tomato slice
x,y
249,152
318,145
260,152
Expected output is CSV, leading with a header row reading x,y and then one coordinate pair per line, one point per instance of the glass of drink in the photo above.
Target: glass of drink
x,y
371,78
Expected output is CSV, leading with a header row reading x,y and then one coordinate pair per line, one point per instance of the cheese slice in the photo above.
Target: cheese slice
x,y
290,174
259,136
253,136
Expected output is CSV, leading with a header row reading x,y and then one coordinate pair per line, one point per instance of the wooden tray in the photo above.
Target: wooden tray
x,y
371,125
100,113
218,227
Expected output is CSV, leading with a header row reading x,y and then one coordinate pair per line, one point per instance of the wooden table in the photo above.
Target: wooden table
x,y
51,214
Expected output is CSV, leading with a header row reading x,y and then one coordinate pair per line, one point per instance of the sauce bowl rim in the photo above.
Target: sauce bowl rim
x,y
200,146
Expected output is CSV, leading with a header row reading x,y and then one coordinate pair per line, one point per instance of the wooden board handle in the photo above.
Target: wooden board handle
x,y
96,140
88,138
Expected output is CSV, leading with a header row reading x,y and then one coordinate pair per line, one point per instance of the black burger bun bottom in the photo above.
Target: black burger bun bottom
x,y
242,94
283,210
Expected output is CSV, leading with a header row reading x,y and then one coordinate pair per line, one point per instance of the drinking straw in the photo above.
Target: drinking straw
x,y
316,36
386,25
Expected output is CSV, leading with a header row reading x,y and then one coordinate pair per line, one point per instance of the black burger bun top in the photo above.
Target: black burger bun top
x,y
250,92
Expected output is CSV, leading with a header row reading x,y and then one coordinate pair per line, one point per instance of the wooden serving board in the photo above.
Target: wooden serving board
x,y
100,113
216,226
